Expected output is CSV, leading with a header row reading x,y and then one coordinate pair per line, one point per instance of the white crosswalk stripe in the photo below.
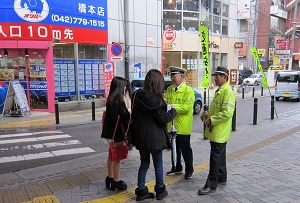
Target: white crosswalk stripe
x,y
21,142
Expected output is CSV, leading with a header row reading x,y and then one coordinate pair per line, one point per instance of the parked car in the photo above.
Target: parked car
x,y
137,83
244,74
254,79
287,85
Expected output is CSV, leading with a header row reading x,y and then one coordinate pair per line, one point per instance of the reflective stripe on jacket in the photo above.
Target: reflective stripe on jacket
x,y
183,99
221,112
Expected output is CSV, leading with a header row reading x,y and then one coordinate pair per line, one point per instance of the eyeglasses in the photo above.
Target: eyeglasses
x,y
216,76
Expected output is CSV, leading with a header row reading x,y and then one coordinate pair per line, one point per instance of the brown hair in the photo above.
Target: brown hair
x,y
154,82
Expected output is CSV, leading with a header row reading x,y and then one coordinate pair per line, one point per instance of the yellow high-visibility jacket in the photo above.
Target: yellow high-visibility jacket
x,y
221,112
183,99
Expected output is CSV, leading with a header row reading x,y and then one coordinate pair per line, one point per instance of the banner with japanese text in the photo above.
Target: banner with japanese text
x,y
256,58
68,21
205,56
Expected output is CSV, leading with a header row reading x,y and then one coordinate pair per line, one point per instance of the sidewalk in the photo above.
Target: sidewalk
x,y
261,160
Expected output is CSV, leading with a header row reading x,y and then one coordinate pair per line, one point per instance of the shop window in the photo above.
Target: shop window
x,y
224,58
63,50
91,51
173,19
217,8
190,63
190,21
224,27
171,59
191,5
172,4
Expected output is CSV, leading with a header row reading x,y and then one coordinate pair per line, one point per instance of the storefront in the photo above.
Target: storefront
x,y
54,48
181,42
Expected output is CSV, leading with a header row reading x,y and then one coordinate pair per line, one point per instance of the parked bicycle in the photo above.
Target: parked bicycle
x,y
244,85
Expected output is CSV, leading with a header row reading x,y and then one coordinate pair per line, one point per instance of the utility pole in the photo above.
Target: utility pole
x,y
293,36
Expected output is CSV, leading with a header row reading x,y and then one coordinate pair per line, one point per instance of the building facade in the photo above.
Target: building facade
x,y
181,41
58,49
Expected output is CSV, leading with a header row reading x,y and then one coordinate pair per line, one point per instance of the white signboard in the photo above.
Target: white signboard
x,y
15,95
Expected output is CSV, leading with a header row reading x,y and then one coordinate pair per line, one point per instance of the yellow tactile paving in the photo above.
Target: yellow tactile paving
x,y
45,199
25,124
58,185
15,196
37,190
75,180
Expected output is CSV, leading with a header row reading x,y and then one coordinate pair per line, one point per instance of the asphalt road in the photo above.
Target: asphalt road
x,y
72,142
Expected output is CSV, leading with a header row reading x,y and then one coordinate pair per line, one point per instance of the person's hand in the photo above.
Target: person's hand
x,y
208,124
204,116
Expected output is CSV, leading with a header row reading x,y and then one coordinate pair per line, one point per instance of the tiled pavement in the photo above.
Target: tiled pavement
x,y
263,166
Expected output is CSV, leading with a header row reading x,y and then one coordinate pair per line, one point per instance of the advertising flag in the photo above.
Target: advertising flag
x,y
256,58
205,56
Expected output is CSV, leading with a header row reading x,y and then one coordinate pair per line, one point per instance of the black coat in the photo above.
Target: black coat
x,y
149,117
114,109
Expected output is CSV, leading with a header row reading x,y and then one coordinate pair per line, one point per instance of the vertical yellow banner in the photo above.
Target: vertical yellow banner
x,y
205,56
256,58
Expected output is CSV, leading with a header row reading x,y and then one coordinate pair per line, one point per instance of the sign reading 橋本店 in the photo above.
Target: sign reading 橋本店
x,y
44,20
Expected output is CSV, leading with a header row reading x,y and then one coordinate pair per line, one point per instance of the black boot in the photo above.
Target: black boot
x,y
161,193
108,181
143,194
120,185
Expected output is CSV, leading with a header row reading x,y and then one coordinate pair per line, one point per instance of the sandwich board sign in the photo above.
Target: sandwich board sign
x,y
15,95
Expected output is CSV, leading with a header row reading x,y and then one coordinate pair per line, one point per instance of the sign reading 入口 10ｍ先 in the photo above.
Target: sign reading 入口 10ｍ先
x,y
71,21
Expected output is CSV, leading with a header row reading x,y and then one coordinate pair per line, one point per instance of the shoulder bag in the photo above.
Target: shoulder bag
x,y
117,153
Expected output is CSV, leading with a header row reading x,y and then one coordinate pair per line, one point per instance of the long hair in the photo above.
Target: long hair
x,y
116,91
154,82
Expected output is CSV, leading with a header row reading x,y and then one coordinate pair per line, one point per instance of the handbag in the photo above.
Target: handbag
x,y
130,134
117,153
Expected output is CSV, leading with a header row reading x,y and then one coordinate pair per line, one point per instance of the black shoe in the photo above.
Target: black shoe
x,y
108,181
174,171
206,191
120,185
143,194
222,183
188,175
161,193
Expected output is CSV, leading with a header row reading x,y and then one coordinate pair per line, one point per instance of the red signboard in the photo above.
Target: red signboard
x,y
45,32
109,73
170,34
283,44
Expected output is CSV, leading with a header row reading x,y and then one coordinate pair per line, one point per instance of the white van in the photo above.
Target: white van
x,y
287,85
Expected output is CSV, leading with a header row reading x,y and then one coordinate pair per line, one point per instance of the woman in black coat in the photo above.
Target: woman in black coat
x,y
118,104
150,117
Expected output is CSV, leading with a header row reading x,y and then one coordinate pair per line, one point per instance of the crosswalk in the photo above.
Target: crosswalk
x,y
38,145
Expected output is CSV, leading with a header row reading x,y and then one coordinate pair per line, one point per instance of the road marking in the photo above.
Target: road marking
x,y
36,139
46,155
44,145
30,134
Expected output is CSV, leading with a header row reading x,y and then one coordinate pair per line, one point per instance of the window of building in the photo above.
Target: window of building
x,y
191,5
171,59
225,10
91,51
216,25
224,27
243,25
215,60
63,50
224,62
190,63
190,21
216,8
173,19
172,4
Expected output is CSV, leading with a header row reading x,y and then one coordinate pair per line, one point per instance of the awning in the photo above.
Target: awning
x,y
297,57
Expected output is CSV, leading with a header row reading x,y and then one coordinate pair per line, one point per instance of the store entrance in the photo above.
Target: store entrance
x,y
30,70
